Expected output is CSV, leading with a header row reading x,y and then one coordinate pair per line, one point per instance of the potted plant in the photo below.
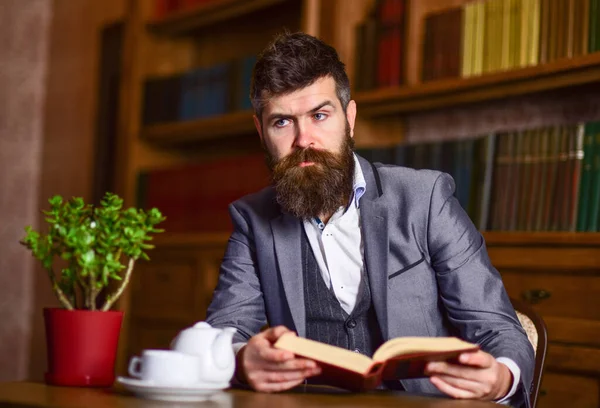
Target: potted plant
x,y
89,253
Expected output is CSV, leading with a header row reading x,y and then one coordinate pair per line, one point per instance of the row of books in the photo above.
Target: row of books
x,y
380,46
195,197
198,93
543,179
163,8
494,35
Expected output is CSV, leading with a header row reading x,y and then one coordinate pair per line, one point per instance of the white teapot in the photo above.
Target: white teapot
x,y
213,345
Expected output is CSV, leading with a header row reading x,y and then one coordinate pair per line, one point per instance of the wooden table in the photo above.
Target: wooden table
x,y
24,394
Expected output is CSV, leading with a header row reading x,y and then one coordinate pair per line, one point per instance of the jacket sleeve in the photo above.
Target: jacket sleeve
x,y
470,288
238,300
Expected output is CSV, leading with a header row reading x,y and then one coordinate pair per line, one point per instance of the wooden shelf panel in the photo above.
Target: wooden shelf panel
x,y
185,21
492,238
213,128
448,93
191,239
577,239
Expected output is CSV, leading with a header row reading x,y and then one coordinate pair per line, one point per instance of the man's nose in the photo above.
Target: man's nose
x,y
303,136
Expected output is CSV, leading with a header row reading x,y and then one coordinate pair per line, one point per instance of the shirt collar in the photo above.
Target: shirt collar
x,y
359,187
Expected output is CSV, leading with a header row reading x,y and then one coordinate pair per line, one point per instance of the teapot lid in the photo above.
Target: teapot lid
x,y
202,325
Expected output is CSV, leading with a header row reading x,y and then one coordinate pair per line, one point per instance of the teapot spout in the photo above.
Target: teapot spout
x,y
222,348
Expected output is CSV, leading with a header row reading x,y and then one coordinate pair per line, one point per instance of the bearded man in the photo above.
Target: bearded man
x,y
351,253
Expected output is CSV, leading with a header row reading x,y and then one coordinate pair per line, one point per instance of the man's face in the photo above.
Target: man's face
x,y
308,139
310,117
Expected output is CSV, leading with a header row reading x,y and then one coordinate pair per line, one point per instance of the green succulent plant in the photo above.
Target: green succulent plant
x,y
93,245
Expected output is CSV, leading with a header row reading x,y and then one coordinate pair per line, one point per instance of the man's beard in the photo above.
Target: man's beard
x,y
317,189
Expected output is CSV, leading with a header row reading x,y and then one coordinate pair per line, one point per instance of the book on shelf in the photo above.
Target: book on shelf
x,y
594,212
380,43
497,35
396,359
443,45
195,197
585,186
538,179
200,92
594,29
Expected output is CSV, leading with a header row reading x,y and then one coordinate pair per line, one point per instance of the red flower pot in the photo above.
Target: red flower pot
x,y
82,346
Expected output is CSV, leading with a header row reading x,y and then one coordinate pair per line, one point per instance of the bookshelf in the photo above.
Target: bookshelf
x,y
203,130
453,92
174,289
550,239
184,266
186,21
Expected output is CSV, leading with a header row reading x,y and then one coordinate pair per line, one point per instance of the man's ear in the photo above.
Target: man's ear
x,y
351,116
258,127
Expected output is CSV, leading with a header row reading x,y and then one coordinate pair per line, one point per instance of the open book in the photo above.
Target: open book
x,y
399,358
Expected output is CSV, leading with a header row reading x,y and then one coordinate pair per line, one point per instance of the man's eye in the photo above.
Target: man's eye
x,y
281,122
320,116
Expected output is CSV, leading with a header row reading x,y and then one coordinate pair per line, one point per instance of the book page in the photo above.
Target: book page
x,y
408,345
325,353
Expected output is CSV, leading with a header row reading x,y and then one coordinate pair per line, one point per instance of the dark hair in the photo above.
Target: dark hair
x,y
293,61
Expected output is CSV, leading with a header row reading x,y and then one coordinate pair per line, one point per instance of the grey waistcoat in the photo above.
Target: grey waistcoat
x,y
327,321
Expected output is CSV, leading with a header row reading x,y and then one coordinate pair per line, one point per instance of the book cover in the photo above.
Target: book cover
x,y
526,181
501,162
468,37
533,42
516,180
586,178
595,189
399,358
545,163
594,21
584,26
195,197
486,182
369,55
551,176
570,49
544,32
478,41
536,179
576,162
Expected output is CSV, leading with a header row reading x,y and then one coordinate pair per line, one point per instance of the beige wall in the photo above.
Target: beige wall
x,y
24,28
48,79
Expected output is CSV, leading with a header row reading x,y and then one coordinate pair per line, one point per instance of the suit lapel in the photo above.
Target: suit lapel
x,y
374,225
286,236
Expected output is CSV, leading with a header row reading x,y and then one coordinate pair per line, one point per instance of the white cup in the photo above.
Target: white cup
x,y
166,367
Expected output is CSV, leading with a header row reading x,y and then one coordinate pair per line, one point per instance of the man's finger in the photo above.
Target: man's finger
x,y
476,388
289,365
286,376
275,387
274,333
476,359
450,390
453,370
274,355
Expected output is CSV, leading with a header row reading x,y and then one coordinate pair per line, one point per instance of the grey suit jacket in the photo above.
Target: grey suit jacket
x,y
426,262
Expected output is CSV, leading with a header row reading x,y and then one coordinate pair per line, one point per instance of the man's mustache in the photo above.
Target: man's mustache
x,y
309,154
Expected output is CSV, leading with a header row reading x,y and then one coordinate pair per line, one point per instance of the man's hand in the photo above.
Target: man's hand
x,y
268,369
478,376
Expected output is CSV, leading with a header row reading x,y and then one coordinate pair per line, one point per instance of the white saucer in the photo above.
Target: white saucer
x,y
188,393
